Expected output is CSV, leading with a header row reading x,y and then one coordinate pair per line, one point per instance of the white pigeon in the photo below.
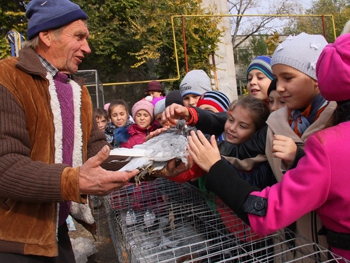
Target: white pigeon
x,y
130,218
149,218
154,154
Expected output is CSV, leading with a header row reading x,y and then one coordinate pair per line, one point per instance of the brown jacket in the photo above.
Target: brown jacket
x,y
31,184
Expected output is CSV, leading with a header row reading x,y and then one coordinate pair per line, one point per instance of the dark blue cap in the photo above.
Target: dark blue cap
x,y
51,14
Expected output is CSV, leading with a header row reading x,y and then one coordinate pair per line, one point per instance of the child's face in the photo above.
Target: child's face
x,y
208,108
190,100
239,126
258,84
275,101
163,123
155,94
296,89
119,116
101,123
143,119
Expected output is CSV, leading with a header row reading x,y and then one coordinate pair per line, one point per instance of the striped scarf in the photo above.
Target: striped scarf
x,y
299,121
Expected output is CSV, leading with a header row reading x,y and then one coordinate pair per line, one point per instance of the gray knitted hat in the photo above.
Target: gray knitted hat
x,y
195,82
159,107
300,52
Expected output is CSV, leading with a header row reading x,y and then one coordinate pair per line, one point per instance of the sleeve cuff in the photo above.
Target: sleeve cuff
x,y
193,116
70,185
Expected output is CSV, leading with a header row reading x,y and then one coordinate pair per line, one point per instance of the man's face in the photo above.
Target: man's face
x,y
68,49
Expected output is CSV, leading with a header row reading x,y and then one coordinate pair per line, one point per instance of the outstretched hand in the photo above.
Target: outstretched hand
x,y
94,180
175,112
203,152
156,133
284,148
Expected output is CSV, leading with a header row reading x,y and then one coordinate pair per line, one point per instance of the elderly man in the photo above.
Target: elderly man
x,y
47,134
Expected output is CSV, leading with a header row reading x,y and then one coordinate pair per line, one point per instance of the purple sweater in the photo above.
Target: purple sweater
x,y
65,97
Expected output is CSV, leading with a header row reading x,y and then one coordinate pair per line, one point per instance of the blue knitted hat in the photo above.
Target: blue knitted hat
x,y
51,14
261,63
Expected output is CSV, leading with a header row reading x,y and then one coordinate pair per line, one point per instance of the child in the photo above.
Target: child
x,y
214,101
306,112
101,117
136,133
245,117
259,76
194,84
119,116
173,96
154,89
159,107
275,100
320,180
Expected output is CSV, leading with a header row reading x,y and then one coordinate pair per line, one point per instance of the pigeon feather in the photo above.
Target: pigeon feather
x,y
156,152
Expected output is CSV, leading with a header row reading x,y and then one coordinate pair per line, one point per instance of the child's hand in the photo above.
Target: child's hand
x,y
284,148
204,153
174,112
155,133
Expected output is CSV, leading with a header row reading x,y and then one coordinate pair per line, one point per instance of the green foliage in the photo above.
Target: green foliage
x,y
5,49
340,9
12,16
138,34
134,37
272,42
110,36
258,45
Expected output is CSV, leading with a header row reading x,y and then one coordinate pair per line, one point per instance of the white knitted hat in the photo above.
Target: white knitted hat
x,y
300,52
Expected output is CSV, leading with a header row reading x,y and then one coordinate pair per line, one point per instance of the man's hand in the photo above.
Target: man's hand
x,y
94,180
284,148
175,112
203,152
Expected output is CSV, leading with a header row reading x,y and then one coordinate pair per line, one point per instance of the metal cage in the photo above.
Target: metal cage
x,y
164,221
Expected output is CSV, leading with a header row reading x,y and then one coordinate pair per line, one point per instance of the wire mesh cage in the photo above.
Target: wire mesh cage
x,y
164,221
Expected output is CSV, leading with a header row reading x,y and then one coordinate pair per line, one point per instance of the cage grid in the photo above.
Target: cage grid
x,y
164,221
101,215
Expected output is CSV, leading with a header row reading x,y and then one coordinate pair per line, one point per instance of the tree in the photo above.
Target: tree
x,y
12,16
136,36
340,10
248,26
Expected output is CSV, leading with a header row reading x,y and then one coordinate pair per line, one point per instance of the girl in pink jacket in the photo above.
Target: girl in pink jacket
x,y
136,133
319,182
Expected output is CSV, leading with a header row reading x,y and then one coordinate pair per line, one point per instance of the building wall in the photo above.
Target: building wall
x,y
226,74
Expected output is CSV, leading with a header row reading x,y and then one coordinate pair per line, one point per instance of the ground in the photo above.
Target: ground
x,y
105,249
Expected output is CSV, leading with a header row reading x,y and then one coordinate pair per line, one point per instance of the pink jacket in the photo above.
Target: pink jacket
x,y
320,182
138,135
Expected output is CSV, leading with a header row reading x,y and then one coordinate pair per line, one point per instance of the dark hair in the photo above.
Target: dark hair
x,y
116,103
98,113
340,114
258,108
272,86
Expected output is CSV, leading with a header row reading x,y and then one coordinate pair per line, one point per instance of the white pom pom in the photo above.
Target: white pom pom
x,y
149,98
